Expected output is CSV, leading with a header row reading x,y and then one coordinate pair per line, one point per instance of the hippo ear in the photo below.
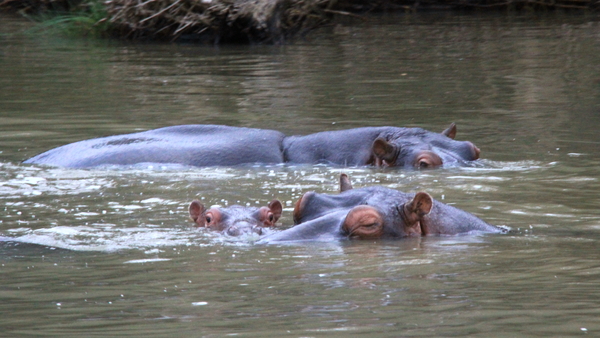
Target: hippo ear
x,y
414,211
450,131
270,214
420,206
345,183
276,209
300,205
384,150
196,210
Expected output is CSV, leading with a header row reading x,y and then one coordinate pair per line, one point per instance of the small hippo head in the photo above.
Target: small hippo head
x,y
419,148
236,220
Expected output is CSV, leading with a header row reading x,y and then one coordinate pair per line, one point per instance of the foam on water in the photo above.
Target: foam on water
x,y
106,239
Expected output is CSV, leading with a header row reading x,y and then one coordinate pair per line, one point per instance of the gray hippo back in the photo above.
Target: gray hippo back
x,y
192,145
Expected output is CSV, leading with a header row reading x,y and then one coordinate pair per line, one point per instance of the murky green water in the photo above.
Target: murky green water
x,y
114,254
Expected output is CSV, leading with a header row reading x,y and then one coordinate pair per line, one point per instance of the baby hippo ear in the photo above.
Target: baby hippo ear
x,y
420,206
384,150
345,183
276,209
196,210
269,215
450,131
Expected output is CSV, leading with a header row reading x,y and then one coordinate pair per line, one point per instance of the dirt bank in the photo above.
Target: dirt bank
x,y
248,21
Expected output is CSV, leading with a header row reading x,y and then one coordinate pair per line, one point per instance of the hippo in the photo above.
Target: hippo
x,y
191,145
236,220
214,145
381,146
373,213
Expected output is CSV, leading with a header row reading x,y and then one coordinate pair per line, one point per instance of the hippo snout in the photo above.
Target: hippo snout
x,y
233,231
242,228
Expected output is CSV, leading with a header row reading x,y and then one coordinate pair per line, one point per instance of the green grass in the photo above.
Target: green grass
x,y
89,18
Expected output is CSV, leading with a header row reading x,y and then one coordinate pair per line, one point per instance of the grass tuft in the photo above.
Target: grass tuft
x,y
88,18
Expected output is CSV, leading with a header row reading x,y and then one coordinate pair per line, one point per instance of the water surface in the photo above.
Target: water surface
x,y
111,252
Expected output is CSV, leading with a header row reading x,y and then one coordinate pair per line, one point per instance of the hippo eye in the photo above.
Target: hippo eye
x,y
213,219
209,217
428,159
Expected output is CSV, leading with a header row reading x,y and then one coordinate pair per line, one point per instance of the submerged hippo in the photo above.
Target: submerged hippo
x,y
375,212
236,220
212,145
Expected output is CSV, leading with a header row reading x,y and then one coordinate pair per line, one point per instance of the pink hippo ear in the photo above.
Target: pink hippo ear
x,y
414,211
345,183
384,151
420,205
269,215
450,131
276,209
300,205
196,211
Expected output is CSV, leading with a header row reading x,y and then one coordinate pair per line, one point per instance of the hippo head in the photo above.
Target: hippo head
x,y
404,220
374,212
236,220
367,213
419,148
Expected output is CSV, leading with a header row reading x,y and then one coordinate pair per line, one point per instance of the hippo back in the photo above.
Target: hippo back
x,y
193,145
447,220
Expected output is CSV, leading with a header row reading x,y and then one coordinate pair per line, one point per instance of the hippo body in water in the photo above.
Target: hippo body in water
x,y
214,145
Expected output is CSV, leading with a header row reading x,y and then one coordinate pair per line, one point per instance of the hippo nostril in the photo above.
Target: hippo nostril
x,y
258,230
233,231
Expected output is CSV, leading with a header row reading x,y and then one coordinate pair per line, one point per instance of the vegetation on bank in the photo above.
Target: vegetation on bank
x,y
270,21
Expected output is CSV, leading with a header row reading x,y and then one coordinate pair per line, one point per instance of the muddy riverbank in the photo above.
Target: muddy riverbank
x,y
242,21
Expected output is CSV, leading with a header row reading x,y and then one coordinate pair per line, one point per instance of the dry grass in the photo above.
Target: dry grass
x,y
270,21
217,20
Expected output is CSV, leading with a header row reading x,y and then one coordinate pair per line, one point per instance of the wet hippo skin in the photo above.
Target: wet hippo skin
x,y
193,145
236,220
213,145
373,213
